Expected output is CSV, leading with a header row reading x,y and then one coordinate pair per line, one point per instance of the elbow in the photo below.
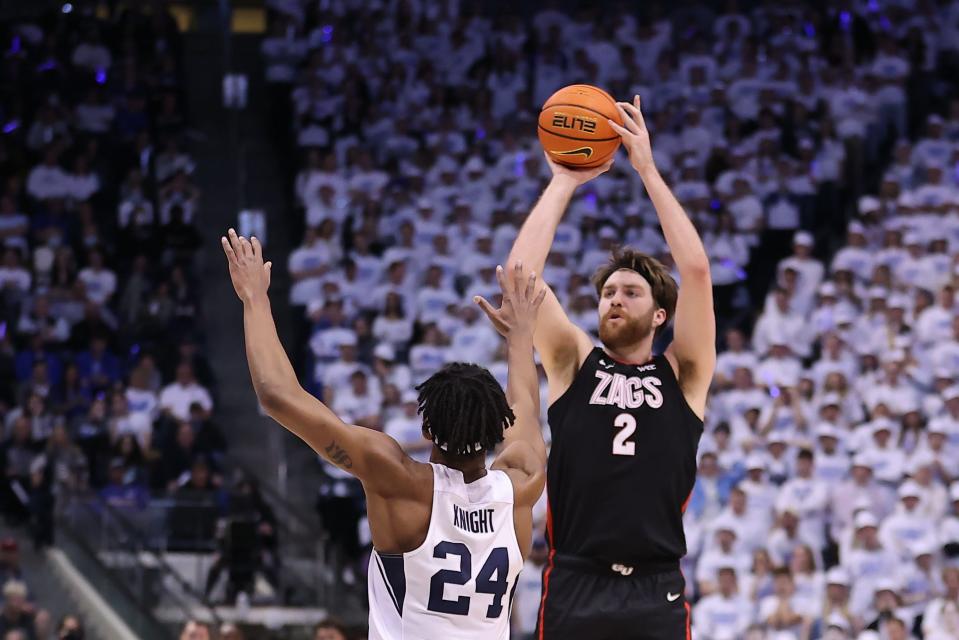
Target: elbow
x,y
697,270
272,398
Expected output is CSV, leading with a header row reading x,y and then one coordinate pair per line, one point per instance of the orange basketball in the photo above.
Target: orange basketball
x,y
573,128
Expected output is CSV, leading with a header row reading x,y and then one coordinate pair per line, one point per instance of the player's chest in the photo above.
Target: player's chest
x,y
622,415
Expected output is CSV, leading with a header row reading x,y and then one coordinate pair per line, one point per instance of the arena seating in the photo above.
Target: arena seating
x,y
814,145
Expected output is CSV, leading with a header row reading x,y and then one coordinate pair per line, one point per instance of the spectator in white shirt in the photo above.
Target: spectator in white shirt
x,y
809,496
940,621
934,324
786,537
934,149
832,461
809,580
783,612
725,553
836,609
48,180
176,397
779,322
91,54
922,580
407,429
393,327
948,528
860,487
780,368
99,282
734,356
906,525
83,183
934,498
474,341
307,264
810,270
429,355
867,561
724,614
760,493
12,274
855,255
362,400
336,374
93,115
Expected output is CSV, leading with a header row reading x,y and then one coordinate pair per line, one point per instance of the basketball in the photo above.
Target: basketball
x,y
573,128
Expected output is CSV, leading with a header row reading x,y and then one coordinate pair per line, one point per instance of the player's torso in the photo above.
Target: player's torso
x,y
622,462
459,582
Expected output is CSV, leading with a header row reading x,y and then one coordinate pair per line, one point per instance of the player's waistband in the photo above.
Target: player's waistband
x,y
606,568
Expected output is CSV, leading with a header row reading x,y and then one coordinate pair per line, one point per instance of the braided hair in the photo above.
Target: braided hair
x,y
464,409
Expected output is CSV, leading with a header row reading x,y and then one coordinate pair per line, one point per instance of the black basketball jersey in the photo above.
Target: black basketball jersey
x,y
622,463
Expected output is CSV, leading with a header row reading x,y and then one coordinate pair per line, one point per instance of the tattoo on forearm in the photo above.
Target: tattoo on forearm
x,y
339,455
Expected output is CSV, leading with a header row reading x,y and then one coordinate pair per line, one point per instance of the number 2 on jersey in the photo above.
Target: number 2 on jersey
x,y
497,563
621,444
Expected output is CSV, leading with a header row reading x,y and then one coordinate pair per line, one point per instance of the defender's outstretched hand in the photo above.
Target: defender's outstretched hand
x,y
250,276
520,305
634,134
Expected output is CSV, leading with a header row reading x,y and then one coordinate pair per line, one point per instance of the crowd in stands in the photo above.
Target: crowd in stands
x,y
103,383
329,629
21,615
816,148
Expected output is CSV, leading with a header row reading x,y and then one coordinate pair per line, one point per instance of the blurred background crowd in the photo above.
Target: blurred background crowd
x,y
815,146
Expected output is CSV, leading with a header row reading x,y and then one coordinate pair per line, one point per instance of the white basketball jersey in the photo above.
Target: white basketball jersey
x,y
459,583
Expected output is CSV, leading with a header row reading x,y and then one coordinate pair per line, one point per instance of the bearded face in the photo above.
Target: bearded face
x,y
628,315
617,330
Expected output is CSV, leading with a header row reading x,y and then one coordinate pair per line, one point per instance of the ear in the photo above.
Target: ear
x,y
659,318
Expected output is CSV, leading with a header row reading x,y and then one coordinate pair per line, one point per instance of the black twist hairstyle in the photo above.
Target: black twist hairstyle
x,y
464,409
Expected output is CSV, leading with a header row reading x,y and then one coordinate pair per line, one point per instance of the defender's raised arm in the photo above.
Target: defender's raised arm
x,y
371,456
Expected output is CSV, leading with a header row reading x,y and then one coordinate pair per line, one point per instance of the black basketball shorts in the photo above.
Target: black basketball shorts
x,y
583,599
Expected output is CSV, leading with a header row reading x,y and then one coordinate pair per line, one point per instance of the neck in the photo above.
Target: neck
x,y
639,353
472,467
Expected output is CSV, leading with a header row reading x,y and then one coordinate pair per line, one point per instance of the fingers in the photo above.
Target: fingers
x,y
268,270
634,112
501,278
228,249
485,305
234,242
241,246
530,286
257,248
622,131
629,120
517,277
539,298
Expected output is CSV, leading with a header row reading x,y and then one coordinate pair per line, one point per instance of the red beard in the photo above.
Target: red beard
x,y
626,332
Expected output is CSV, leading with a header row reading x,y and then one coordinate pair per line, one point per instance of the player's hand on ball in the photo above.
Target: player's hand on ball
x,y
251,277
635,135
577,176
517,314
